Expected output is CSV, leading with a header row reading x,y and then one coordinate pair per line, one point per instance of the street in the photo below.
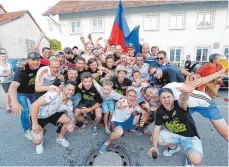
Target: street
x,y
17,150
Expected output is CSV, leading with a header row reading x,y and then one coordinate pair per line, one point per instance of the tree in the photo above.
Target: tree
x,y
55,44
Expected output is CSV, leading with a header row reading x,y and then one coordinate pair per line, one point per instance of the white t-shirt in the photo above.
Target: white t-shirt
x,y
197,98
45,77
120,115
54,105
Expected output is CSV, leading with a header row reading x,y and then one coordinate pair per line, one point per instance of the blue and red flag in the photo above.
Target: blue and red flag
x,y
121,34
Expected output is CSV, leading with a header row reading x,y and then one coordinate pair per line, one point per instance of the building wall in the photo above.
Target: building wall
x,y
13,36
52,30
188,39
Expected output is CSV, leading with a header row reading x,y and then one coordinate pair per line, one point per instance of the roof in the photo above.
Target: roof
x,y
11,16
70,6
3,8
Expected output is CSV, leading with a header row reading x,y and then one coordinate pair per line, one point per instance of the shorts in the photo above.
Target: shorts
x,y
189,143
87,104
52,119
150,127
127,124
39,94
108,106
211,112
5,87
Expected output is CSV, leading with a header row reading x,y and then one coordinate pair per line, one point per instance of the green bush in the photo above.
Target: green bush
x,y
55,44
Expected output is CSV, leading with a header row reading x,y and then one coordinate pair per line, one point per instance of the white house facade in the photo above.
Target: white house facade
x,y
195,28
19,34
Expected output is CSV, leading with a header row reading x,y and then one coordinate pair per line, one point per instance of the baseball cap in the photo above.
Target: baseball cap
x,y
121,68
3,51
130,45
162,90
33,55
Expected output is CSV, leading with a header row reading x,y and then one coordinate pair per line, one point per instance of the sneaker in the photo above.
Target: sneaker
x,y
103,149
83,127
94,131
188,163
62,141
107,130
169,151
40,148
136,132
28,135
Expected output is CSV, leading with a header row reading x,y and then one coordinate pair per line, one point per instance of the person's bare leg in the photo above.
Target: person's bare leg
x,y
115,135
221,127
79,117
64,120
106,119
98,115
194,157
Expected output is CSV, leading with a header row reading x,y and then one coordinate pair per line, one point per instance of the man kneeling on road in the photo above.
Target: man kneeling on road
x,y
55,108
180,126
123,118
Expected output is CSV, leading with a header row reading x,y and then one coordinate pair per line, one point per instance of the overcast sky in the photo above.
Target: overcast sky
x,y
36,8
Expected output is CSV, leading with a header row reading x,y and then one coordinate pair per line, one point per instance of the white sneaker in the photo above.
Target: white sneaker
x,y
40,148
169,152
28,135
62,141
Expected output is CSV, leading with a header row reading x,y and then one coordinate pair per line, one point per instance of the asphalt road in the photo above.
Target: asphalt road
x,y
15,149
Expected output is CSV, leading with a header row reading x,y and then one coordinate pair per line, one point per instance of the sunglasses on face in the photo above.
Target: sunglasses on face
x,y
160,58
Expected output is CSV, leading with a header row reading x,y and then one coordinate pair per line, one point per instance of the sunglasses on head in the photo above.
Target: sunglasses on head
x,y
161,58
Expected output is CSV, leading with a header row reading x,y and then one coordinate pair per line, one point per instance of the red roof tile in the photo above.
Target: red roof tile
x,y
8,17
69,6
11,16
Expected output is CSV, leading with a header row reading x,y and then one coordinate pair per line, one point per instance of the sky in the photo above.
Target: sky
x,y
35,7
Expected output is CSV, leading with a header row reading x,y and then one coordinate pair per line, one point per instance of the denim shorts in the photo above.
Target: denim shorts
x,y
127,124
108,106
189,143
211,112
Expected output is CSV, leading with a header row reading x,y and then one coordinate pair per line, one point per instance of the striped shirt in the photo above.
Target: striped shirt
x,y
45,77
197,98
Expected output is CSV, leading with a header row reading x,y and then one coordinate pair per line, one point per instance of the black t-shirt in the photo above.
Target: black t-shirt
x,y
116,58
121,87
72,60
93,72
177,120
187,64
26,78
89,95
169,75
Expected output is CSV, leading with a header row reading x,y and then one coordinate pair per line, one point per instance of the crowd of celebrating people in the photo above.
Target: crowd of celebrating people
x,y
126,91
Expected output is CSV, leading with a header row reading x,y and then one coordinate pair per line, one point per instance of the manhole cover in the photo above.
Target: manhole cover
x,y
116,156
108,159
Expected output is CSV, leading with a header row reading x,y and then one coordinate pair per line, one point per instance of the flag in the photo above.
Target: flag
x,y
133,38
121,34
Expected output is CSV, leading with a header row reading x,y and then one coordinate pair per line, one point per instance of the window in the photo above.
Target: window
x,y
75,27
175,54
50,25
29,45
205,19
202,54
97,25
151,22
226,52
177,21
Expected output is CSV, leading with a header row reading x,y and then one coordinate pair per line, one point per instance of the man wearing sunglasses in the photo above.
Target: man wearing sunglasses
x,y
165,76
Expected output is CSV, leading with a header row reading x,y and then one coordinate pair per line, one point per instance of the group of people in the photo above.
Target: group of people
x,y
126,91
